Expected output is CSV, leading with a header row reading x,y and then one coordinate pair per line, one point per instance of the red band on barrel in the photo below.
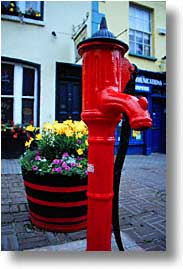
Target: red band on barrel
x,y
75,219
57,227
55,189
56,204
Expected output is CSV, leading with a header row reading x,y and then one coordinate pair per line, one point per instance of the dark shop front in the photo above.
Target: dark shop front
x,y
152,85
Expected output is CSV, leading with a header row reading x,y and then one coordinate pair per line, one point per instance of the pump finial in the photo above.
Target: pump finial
x,y
103,24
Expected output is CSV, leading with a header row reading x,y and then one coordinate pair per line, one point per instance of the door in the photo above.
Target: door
x,y
159,126
68,100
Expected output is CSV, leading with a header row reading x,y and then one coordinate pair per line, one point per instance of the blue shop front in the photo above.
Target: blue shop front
x,y
152,85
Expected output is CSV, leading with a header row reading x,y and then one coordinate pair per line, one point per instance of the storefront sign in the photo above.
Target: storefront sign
x,y
142,88
151,81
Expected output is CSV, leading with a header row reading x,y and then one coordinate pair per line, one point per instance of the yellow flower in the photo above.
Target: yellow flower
x,y
38,136
28,143
86,142
80,151
30,128
79,135
12,4
11,9
68,133
48,126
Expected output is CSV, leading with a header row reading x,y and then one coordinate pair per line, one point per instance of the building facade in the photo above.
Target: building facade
x,y
41,69
142,25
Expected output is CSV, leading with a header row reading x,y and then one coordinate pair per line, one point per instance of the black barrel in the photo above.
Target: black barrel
x,y
57,202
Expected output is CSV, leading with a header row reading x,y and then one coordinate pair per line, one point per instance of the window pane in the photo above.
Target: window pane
x,y
27,110
7,74
28,81
6,110
35,5
147,39
132,11
132,23
139,48
147,15
132,35
132,47
147,26
147,50
139,37
139,25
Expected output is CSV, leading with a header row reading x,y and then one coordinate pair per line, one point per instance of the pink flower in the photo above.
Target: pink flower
x,y
38,158
56,161
57,169
65,154
64,165
34,168
67,168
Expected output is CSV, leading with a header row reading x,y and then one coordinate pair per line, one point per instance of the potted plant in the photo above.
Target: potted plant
x,y
54,169
13,137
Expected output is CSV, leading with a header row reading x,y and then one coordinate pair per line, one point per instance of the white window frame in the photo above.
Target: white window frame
x,y
149,33
18,92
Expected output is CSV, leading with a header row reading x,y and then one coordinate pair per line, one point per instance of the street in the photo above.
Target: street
x,y
142,207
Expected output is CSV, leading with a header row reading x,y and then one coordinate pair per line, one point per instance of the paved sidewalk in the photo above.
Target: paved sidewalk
x,y
142,210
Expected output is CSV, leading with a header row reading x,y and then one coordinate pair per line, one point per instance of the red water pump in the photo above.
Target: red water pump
x,y
105,73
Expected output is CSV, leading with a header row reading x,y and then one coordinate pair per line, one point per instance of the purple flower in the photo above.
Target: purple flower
x,y
57,169
56,161
34,168
67,168
73,164
64,165
79,141
65,154
38,158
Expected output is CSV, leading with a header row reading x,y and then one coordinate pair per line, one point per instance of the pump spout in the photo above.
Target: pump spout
x,y
111,101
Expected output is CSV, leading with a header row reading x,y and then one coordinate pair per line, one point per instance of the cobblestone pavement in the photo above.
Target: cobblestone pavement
x,y
142,207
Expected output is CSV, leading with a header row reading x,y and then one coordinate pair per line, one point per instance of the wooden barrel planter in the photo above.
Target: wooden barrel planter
x,y
56,202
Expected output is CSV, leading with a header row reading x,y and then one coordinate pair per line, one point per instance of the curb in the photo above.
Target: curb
x,y
80,245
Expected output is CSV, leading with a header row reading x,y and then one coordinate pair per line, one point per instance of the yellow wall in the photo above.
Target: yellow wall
x,y
35,43
117,15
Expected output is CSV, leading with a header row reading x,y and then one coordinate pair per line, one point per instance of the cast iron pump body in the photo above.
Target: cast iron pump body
x,y
105,74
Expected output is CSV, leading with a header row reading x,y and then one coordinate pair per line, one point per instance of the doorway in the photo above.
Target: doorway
x,y
159,125
68,92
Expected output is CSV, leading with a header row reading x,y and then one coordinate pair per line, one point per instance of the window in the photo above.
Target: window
x,y
18,94
140,30
27,9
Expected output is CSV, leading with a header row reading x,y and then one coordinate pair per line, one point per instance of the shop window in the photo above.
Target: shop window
x,y
136,137
27,9
140,30
19,94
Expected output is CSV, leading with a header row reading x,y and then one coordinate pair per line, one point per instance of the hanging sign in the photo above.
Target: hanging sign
x,y
80,36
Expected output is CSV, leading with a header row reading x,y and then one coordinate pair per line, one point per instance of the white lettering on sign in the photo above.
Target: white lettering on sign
x,y
90,168
140,88
149,81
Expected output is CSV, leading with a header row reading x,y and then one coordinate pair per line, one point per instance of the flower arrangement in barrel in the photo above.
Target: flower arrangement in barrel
x,y
60,148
